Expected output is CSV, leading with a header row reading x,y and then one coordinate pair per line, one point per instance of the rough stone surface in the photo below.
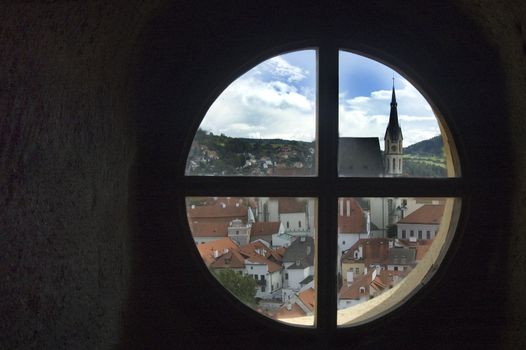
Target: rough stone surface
x,y
66,147
504,22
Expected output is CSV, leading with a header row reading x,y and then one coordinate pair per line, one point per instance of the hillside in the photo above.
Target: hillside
x,y
425,158
431,147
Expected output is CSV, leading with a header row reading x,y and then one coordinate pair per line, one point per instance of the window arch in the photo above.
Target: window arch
x,y
327,186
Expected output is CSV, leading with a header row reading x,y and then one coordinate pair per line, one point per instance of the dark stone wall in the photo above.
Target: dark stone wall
x,y
504,24
66,148
87,258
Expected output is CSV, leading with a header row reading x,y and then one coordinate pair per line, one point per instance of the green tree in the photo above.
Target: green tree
x,y
234,145
243,287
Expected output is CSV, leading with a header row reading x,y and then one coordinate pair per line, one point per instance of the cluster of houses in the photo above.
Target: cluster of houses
x,y
285,161
272,240
269,239
380,245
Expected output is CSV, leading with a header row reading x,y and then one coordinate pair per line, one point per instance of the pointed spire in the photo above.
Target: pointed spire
x,y
393,128
393,97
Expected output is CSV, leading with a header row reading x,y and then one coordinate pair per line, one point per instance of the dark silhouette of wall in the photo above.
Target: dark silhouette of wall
x,y
98,102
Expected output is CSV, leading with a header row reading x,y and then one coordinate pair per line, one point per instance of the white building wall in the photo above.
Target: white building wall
x,y
432,228
295,277
295,224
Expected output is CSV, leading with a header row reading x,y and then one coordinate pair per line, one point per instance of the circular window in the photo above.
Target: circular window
x,y
320,188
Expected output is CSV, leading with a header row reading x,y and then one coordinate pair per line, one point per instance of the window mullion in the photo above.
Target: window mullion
x,y
327,126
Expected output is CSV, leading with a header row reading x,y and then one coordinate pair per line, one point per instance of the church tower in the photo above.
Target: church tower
x,y
393,142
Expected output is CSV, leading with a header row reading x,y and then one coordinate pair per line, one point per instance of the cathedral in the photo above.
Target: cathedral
x,y
362,157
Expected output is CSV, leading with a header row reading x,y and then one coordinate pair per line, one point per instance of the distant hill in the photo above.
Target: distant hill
x,y
430,147
425,158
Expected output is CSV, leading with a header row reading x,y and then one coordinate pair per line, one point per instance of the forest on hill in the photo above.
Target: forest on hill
x,y
425,158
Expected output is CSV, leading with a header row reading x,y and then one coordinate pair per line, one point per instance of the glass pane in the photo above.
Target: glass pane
x,y
263,124
261,249
386,127
387,248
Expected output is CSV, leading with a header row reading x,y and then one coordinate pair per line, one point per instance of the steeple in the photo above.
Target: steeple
x,y
393,128
393,142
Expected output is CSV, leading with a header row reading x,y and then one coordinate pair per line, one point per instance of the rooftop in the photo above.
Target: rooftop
x,y
360,156
427,214
351,217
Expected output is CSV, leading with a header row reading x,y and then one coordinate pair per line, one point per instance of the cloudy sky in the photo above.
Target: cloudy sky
x,y
276,99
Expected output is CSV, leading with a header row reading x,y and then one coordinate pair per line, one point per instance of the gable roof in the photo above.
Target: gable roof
x,y
230,260
384,279
217,211
205,229
427,214
251,249
264,228
288,205
353,291
373,250
206,250
302,249
360,156
308,297
354,222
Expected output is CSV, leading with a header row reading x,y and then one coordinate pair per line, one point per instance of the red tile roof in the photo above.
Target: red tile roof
x,y
308,298
291,205
427,214
204,229
353,292
217,211
355,222
375,250
264,228
206,250
384,280
295,311
231,260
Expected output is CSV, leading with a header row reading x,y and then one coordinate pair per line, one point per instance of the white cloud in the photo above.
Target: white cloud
x,y
280,68
252,107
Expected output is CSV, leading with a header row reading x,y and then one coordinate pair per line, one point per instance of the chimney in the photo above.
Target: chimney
x,y
289,306
348,207
216,254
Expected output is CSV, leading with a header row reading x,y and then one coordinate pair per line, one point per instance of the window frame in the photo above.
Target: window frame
x,y
326,186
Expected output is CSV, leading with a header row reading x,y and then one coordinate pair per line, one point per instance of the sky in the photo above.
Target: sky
x,y
277,99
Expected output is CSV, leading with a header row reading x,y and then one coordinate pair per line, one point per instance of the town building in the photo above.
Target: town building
x,y
298,264
353,223
423,223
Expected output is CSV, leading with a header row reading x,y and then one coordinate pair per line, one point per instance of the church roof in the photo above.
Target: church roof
x,y
360,156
